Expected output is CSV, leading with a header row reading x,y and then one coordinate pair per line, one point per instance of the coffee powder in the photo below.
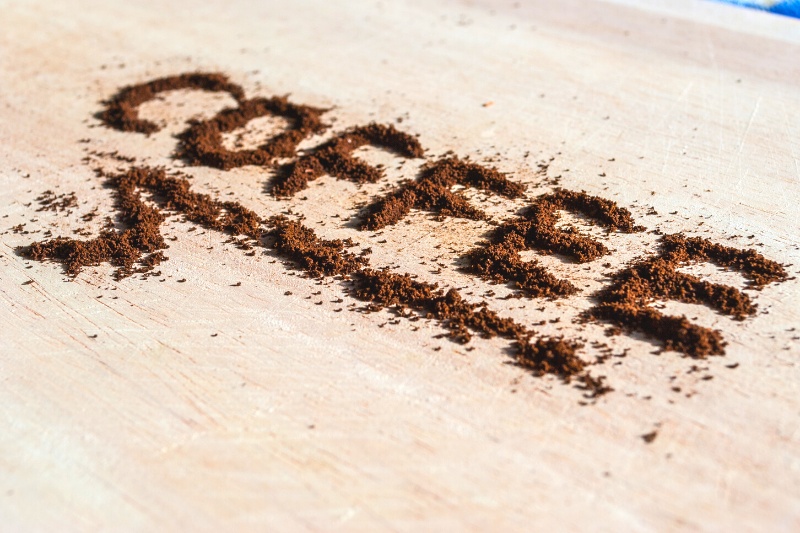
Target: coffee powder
x,y
432,191
625,303
335,158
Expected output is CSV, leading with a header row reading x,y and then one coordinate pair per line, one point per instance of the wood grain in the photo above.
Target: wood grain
x,y
149,404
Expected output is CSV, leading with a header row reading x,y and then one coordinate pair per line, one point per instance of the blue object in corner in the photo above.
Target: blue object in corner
x,y
789,8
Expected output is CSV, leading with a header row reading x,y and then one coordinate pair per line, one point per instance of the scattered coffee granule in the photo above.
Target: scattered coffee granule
x,y
122,110
50,201
316,257
595,386
431,191
499,260
335,158
201,144
91,215
650,437
626,302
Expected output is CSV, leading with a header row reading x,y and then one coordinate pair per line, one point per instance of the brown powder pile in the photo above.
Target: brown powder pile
x,y
316,257
557,356
142,222
544,356
499,260
626,302
386,289
120,248
201,144
335,158
431,191
122,110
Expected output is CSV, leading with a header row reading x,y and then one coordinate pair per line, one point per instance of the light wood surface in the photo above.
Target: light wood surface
x,y
200,406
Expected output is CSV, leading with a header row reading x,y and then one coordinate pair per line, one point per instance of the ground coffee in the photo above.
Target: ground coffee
x,y
137,245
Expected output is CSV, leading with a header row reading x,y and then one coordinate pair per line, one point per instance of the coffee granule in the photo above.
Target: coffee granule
x,y
499,260
432,191
122,109
335,158
626,302
650,437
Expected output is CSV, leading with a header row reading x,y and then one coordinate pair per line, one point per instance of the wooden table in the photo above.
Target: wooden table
x,y
206,406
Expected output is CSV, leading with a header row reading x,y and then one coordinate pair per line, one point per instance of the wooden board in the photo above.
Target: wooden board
x,y
194,406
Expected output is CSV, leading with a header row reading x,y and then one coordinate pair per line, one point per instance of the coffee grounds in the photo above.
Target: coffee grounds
x,y
432,191
299,245
387,289
501,263
758,270
201,144
382,289
335,158
499,260
557,356
650,437
316,257
142,222
122,110
50,201
539,224
544,356
626,302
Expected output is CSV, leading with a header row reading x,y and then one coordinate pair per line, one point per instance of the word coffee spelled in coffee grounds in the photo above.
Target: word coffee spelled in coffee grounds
x,y
626,303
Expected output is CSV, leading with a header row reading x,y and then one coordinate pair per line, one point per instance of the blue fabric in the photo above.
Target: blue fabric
x,y
790,8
